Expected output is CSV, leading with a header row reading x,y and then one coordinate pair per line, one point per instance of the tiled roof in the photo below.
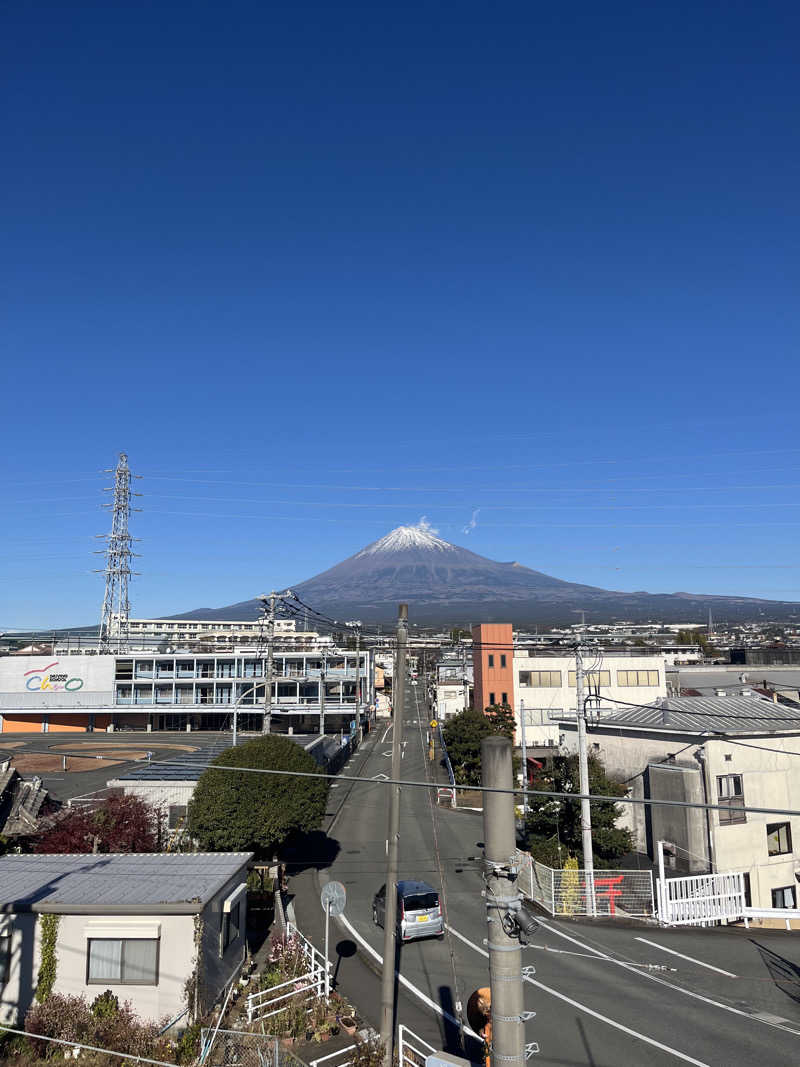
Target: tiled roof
x,y
116,883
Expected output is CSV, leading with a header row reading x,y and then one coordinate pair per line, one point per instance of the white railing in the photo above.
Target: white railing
x,y
308,986
701,899
788,915
568,891
412,1051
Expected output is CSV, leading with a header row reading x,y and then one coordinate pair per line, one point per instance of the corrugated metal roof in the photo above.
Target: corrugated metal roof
x,y
115,882
187,766
730,715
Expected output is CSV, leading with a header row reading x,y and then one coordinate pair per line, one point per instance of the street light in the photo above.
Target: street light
x,y
236,703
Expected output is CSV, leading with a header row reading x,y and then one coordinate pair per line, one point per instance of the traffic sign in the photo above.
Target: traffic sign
x,y
433,724
333,898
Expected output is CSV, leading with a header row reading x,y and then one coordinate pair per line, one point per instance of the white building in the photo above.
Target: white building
x,y
139,925
173,634
545,687
147,691
732,752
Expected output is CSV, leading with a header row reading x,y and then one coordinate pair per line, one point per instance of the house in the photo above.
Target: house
x,y
141,925
730,752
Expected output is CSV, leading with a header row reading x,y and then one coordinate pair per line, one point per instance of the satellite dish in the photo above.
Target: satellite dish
x,y
333,898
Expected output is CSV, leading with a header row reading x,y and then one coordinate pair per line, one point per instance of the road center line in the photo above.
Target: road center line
x,y
590,1011
412,988
661,981
691,959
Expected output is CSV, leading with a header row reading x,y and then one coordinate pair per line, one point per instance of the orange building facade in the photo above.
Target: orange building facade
x,y
493,664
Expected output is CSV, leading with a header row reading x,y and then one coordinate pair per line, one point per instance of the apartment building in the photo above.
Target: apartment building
x,y
731,752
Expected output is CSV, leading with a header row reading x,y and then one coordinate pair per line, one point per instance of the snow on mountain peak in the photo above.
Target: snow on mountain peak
x,y
422,535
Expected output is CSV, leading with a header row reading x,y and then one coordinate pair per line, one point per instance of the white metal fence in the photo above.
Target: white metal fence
x,y
568,891
701,899
306,986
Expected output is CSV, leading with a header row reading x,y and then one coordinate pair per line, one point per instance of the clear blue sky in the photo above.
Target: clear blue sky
x,y
321,269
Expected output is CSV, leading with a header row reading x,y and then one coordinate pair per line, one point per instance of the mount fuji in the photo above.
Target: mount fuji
x,y
444,583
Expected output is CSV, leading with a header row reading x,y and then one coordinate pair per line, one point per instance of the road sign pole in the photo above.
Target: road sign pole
x,y
327,964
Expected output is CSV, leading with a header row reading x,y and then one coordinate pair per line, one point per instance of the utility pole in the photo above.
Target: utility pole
x,y
502,904
524,760
392,840
322,673
268,606
355,625
583,765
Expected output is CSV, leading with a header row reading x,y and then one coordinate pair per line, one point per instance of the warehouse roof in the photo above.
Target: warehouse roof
x,y
116,883
730,715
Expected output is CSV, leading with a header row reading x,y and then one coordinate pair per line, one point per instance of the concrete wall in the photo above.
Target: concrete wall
x,y
451,699
770,779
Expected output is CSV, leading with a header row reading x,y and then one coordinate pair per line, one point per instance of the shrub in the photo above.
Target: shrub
x,y
68,1018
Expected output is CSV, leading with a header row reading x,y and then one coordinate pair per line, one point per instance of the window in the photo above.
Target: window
x,y
502,659
628,678
491,698
128,961
784,897
779,838
542,679
592,679
730,797
504,697
230,929
5,958
491,659
177,813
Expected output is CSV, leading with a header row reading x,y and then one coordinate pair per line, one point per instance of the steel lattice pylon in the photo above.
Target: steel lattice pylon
x,y
118,553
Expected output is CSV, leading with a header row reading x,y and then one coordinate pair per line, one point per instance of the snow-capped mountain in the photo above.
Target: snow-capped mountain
x,y
445,583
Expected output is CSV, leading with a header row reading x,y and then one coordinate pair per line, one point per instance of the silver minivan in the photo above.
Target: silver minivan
x,y
419,910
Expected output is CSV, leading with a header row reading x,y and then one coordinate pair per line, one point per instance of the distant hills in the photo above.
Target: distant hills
x,y
446,584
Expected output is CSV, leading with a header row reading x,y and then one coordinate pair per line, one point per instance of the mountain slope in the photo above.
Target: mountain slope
x,y
446,583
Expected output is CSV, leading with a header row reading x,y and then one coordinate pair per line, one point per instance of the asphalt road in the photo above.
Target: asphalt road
x,y
606,993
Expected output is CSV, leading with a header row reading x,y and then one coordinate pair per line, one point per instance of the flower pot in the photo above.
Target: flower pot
x,y
348,1024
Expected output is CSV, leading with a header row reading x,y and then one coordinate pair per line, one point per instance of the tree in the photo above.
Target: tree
x,y
257,812
553,827
463,734
120,824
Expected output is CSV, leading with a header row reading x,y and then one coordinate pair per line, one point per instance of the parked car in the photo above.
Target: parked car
x,y
419,910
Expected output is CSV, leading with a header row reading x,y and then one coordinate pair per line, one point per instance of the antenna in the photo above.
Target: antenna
x,y
116,607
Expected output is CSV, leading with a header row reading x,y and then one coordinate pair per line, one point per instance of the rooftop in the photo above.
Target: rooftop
x,y
730,715
188,766
116,884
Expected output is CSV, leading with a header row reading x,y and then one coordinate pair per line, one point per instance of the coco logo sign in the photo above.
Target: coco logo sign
x,y
44,678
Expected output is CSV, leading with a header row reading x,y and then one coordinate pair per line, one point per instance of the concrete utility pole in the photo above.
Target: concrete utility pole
x,y
502,904
322,674
268,603
583,766
524,760
392,841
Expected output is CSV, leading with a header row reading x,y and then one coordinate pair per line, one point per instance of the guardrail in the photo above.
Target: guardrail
x,y
787,914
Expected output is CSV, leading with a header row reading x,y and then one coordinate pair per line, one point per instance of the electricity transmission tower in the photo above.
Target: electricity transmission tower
x,y
118,553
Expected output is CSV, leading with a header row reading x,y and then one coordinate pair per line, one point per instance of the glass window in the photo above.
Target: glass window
x,y
779,838
491,698
730,798
502,659
230,931
128,961
504,698
591,679
784,897
491,659
524,677
627,678
545,679
177,813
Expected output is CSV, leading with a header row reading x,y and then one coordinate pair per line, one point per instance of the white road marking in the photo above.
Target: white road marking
x,y
661,981
386,732
380,778
691,959
590,1011
408,985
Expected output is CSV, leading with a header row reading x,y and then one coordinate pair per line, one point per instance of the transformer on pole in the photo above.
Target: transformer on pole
x,y
116,606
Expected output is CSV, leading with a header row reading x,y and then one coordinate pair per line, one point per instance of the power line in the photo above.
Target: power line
x,y
598,798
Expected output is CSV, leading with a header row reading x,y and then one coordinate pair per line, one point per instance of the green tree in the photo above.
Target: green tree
x,y
553,827
463,734
257,812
